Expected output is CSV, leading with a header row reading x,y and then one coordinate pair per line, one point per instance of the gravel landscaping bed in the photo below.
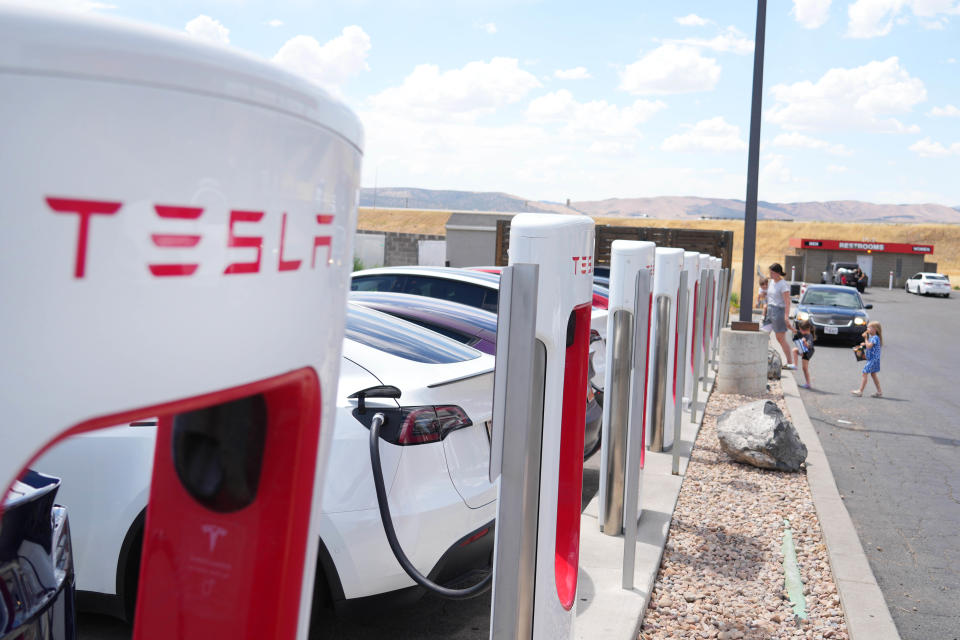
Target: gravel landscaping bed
x,y
721,575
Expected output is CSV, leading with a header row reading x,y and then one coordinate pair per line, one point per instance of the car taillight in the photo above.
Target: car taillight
x,y
417,425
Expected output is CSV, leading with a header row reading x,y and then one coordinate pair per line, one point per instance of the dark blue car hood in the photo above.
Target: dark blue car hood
x,y
836,311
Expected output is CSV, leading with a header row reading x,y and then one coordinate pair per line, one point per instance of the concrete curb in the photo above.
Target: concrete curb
x,y
604,609
864,607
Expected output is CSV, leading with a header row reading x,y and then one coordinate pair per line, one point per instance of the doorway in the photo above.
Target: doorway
x,y
866,265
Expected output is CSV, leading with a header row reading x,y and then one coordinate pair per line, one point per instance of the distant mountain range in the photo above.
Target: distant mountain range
x,y
663,207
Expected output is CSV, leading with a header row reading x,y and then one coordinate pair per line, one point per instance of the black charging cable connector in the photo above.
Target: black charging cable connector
x,y
444,592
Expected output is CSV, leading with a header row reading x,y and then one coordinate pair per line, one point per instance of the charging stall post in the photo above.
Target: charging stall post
x,y
709,285
716,265
679,374
663,343
536,560
206,289
691,264
621,449
700,308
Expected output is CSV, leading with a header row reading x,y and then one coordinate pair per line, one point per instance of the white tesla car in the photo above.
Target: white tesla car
x,y
434,451
466,286
929,284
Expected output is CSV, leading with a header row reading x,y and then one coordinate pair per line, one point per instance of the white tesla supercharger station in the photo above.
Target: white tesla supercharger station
x,y
716,264
691,264
538,522
178,230
663,348
630,302
707,284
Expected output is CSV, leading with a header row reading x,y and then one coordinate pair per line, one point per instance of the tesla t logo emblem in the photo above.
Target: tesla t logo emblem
x,y
582,265
241,233
214,533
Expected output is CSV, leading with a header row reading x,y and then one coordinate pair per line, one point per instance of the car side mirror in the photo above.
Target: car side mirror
x,y
379,391
868,306
795,300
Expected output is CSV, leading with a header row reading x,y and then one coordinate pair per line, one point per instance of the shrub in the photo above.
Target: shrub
x,y
734,300
358,264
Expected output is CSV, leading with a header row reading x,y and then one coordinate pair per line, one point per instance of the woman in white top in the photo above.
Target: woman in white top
x,y
778,309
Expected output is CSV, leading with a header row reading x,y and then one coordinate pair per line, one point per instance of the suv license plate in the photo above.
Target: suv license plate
x,y
831,330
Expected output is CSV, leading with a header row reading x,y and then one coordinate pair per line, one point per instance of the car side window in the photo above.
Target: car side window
x,y
490,300
385,282
453,290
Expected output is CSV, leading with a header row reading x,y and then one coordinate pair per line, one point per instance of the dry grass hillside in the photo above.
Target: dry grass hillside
x,y
773,237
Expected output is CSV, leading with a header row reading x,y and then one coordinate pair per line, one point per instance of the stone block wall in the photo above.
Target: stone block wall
x,y
400,249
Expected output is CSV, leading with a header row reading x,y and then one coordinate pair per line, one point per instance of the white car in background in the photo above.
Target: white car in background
x,y
435,454
472,288
926,283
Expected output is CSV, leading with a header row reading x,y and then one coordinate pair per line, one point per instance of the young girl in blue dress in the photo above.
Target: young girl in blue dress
x,y
873,343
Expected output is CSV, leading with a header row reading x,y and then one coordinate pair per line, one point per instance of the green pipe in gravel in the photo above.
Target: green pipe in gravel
x,y
792,582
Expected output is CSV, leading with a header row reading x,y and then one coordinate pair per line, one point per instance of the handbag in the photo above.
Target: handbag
x,y
860,352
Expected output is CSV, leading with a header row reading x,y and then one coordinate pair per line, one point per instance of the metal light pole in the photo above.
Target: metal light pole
x,y
753,172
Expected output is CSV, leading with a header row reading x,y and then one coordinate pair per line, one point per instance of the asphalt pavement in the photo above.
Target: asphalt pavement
x,y
896,459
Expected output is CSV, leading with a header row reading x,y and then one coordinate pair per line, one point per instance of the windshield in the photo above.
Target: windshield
x,y
403,339
832,298
935,277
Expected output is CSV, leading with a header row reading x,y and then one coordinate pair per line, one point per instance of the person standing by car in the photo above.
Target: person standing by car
x,y
777,316
873,342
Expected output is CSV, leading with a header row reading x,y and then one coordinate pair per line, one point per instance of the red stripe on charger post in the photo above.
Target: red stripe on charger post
x,y
570,477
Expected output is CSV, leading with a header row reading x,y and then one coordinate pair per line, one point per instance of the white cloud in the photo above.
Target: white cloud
x,y
837,168
463,94
714,134
596,117
489,27
776,170
671,68
206,28
692,20
276,22
576,73
872,18
329,64
948,111
812,14
801,141
730,40
858,98
951,61
927,148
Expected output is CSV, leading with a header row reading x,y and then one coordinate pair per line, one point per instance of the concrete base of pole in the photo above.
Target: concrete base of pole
x,y
743,362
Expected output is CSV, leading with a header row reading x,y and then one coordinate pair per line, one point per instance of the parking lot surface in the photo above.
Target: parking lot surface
x,y
896,459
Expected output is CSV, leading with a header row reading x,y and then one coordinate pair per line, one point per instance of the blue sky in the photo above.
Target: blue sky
x,y
589,100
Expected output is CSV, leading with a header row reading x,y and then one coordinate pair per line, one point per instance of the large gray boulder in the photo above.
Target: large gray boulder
x,y
757,433
774,365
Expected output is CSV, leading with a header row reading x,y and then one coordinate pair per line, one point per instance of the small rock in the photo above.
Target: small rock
x,y
774,366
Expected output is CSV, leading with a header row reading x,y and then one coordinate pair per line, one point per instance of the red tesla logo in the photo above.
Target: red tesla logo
x,y
582,265
85,210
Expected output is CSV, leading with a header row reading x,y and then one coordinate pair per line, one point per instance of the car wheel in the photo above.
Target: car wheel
x,y
131,575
